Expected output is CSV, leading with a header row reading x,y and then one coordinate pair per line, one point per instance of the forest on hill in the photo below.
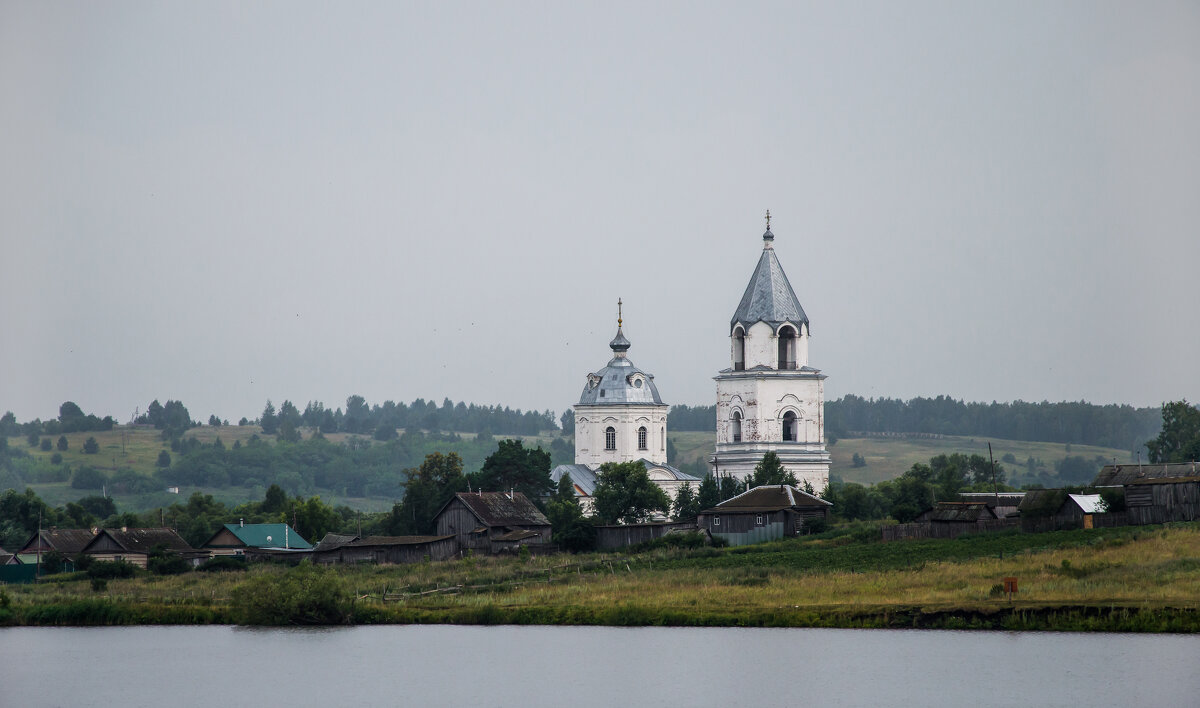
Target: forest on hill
x,y
1080,423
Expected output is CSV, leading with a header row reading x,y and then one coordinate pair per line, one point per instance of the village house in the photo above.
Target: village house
x,y
1156,494
763,514
493,522
1002,504
236,539
135,545
68,542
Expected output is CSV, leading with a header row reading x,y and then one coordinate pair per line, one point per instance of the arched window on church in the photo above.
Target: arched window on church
x,y
642,438
739,349
789,427
787,347
662,439
737,426
610,438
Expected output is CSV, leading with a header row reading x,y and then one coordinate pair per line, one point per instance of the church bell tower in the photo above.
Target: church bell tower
x,y
770,399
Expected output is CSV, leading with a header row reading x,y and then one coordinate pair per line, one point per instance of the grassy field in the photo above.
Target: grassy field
x,y
1141,579
888,458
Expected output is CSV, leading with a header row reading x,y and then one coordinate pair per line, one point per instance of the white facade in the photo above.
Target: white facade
x,y
637,432
770,399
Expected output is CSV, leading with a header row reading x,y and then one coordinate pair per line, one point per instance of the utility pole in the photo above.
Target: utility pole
x,y
995,487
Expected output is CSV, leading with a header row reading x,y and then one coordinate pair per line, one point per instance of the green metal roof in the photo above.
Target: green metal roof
x,y
256,535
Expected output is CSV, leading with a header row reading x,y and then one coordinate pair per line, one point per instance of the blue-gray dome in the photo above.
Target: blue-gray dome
x,y
620,381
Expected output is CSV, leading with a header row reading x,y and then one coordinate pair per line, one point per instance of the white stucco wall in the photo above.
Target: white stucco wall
x,y
591,422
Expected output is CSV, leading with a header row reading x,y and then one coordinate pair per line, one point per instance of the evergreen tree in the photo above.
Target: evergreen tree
x,y
687,504
771,471
269,421
709,494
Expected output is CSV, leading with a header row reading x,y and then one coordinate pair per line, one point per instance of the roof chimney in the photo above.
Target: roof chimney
x,y
241,523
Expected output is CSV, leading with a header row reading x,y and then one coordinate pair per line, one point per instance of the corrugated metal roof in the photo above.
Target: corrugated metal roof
x,y
1089,503
769,296
397,540
268,536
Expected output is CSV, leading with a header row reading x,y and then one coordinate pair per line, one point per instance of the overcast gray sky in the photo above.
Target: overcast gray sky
x,y
228,202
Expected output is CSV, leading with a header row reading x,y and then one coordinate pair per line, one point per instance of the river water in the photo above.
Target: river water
x,y
590,666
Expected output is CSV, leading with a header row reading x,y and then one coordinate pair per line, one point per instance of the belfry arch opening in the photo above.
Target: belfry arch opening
x,y
787,347
789,427
737,426
739,349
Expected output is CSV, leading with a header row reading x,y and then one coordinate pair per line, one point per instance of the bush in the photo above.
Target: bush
x,y
112,569
305,594
168,564
88,478
223,563
56,458
99,584
816,524
91,447
46,445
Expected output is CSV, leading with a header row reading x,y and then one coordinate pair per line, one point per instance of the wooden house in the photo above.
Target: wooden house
x,y
135,545
1002,504
1156,494
69,542
491,522
336,548
236,539
763,514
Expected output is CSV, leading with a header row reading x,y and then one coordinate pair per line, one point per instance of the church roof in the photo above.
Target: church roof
x,y
586,478
769,296
620,382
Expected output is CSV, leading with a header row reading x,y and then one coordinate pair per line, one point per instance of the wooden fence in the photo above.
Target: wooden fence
x,y
941,529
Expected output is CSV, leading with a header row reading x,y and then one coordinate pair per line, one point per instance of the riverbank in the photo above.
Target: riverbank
x,y
1137,579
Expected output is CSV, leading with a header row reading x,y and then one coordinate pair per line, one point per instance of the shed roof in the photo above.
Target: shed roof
x,y
1119,475
333,540
396,540
1088,503
143,540
501,508
1042,502
774,497
989,498
960,511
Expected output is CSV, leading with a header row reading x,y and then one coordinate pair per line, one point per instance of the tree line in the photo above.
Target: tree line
x,y
1120,426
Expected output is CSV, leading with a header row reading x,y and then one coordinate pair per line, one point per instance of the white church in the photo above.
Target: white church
x,y
620,417
769,399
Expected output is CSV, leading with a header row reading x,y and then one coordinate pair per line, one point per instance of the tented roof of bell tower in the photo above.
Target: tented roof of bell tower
x,y
769,296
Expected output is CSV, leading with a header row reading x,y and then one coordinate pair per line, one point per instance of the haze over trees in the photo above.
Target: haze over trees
x,y
1119,426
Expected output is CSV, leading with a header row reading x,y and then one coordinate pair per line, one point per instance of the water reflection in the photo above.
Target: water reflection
x,y
588,666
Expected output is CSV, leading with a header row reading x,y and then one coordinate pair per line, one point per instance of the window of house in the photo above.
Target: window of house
x,y
610,438
758,519
642,438
716,521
